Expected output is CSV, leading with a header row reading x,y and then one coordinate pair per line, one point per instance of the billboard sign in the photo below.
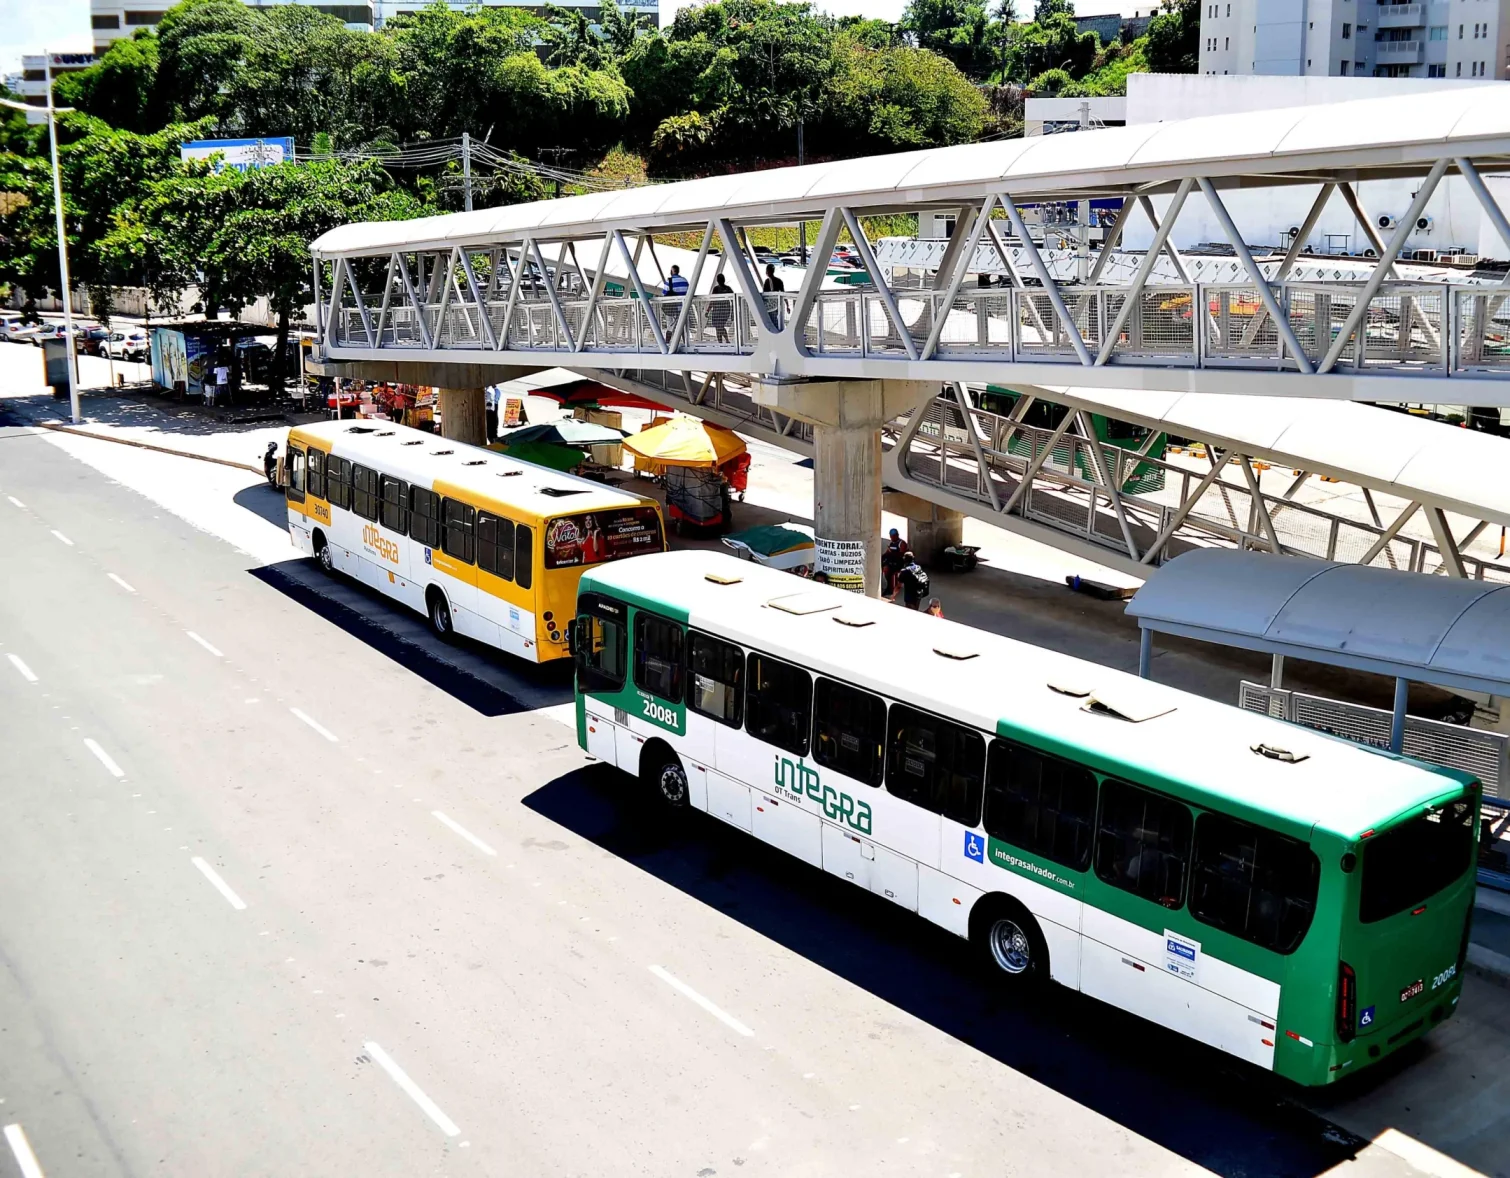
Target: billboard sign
x,y
240,154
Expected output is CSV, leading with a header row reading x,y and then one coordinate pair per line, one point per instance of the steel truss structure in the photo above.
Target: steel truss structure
x,y
580,281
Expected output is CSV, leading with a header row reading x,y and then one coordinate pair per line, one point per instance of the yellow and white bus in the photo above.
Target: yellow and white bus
x,y
484,545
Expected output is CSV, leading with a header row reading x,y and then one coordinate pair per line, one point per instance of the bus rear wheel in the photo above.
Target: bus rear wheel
x,y
440,615
1010,944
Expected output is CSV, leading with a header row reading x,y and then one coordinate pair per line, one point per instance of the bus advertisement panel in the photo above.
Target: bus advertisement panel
x,y
597,536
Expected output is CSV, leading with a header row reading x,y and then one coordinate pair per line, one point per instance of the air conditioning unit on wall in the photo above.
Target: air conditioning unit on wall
x,y
1387,221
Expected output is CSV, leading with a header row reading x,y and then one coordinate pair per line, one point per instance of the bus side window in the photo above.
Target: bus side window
x,y
524,558
424,517
1143,843
495,545
1041,804
716,688
316,483
295,463
778,703
394,506
456,538
658,657
851,728
1253,883
935,764
600,646
338,481
364,497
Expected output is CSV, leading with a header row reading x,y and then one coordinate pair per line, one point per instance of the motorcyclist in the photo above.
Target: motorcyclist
x,y
270,463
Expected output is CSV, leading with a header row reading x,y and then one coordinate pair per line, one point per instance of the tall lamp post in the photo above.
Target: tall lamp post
x,y
57,198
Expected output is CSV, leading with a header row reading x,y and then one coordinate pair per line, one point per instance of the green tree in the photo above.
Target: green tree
x,y
1051,44
1045,10
957,29
901,97
1174,38
120,88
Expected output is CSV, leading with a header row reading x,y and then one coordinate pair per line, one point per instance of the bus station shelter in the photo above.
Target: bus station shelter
x,y
1447,631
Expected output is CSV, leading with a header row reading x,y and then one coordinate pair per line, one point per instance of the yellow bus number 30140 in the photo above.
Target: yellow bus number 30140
x,y
380,544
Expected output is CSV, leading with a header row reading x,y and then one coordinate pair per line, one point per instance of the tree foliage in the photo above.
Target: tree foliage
x,y
1174,38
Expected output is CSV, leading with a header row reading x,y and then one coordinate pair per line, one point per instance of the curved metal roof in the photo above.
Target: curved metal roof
x,y
1397,135
1433,629
1459,470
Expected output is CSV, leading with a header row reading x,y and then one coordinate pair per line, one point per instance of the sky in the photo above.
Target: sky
x,y
62,26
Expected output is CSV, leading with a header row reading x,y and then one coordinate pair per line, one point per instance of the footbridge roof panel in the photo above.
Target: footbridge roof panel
x,y
1396,135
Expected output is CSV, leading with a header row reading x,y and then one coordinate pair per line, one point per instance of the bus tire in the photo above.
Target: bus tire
x,y
662,770
324,555
1009,942
439,611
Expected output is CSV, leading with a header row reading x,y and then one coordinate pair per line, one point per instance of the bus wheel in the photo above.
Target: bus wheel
x,y
1010,943
665,775
440,615
324,555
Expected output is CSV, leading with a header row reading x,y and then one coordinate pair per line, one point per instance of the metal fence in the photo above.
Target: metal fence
x,y
1484,754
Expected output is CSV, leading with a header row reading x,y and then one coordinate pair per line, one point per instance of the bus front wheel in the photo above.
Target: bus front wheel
x,y
662,771
1010,943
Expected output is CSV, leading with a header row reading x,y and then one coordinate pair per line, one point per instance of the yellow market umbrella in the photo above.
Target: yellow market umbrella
x,y
685,441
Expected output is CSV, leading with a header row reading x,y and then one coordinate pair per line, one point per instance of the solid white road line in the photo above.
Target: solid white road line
x,y
687,991
120,582
17,502
204,644
315,724
415,1093
464,832
26,672
62,537
221,886
30,1167
104,758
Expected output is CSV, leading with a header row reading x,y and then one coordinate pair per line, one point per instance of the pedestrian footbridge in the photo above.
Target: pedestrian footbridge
x,y
575,281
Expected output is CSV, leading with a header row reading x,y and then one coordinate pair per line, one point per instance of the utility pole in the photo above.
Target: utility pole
x,y
1083,214
57,198
466,167
801,225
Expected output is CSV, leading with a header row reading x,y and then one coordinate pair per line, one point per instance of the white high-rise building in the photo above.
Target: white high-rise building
x,y
1372,38
114,19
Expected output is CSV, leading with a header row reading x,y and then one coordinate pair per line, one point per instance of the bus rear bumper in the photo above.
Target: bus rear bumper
x,y
1337,1061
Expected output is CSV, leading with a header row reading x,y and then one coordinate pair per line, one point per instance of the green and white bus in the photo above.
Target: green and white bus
x,y
1294,899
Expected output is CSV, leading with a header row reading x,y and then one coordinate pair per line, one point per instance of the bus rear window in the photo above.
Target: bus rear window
x,y
1406,865
593,537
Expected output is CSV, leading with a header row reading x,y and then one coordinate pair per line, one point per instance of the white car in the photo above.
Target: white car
x,y
121,346
16,331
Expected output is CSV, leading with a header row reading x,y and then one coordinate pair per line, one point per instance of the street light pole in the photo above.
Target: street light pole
x,y
57,199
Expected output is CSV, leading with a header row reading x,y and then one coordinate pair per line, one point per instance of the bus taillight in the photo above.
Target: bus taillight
x,y
1347,1002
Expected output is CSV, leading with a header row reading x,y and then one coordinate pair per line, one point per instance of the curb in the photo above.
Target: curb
x,y
83,433
1491,966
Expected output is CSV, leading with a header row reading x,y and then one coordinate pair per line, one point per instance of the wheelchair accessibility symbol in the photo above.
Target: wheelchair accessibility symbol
x,y
975,847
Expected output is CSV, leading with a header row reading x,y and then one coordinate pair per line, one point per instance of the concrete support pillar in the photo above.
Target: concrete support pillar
x,y
463,416
847,504
846,416
930,528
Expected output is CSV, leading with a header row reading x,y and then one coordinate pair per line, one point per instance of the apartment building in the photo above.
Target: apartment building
x,y
112,19
31,82
1352,38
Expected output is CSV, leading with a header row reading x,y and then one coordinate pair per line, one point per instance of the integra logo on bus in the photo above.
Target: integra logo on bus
x,y
794,780
380,543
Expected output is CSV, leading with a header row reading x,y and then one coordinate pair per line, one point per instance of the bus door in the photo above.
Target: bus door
x,y
600,644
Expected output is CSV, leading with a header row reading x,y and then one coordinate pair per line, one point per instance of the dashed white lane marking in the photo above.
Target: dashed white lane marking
x,y
413,1090
120,582
62,537
464,832
104,757
221,886
687,991
17,502
26,672
30,1167
315,724
204,644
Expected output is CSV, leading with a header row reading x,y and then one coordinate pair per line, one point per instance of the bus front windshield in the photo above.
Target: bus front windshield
x,y
592,537
1417,859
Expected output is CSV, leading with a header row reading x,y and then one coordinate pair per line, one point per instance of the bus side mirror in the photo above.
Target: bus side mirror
x,y
571,638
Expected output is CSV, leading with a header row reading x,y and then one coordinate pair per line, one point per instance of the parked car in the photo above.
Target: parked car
x,y
89,339
16,329
128,346
48,331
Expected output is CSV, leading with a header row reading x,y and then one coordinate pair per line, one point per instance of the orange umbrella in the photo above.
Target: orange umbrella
x,y
685,441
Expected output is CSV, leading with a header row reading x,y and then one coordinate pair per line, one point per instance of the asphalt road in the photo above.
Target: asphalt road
x,y
286,890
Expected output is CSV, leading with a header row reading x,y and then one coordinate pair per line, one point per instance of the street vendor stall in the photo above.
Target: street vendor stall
x,y
696,460
778,546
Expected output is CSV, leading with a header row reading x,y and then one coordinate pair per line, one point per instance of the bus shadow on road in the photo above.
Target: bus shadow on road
x,y
1190,1099
468,672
